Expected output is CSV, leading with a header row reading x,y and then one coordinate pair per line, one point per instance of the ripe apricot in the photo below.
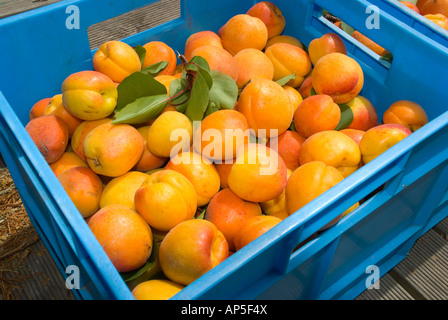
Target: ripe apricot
x,y
113,149
227,212
308,182
243,31
271,16
267,107
253,64
294,95
287,60
316,113
355,134
439,19
165,199
433,7
364,114
121,190
54,102
116,59
284,39
124,235
80,133
305,87
406,113
259,174
328,43
170,133
334,149
50,135
157,51
338,76
191,249
218,59
148,161
201,173
165,79
68,160
83,187
70,120
223,172
201,38
221,134
252,228
277,206
288,146
156,289
38,108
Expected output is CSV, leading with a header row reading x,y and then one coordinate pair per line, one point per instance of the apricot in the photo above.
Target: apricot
x,y
289,59
201,173
305,87
271,16
433,7
284,39
156,289
338,76
191,249
38,108
277,206
288,146
80,133
68,160
411,6
148,161
116,59
267,107
259,174
406,113
50,135
113,149
333,148
218,59
165,199
221,134
328,43
54,102
439,19
294,95
308,182
223,172
243,31
89,95
70,120
227,212
369,43
83,187
254,227
201,38
315,114
381,138
121,190
157,51
170,133
355,134
365,115
165,79
124,235
253,64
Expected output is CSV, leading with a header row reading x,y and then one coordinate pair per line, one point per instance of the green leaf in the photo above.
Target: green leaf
x,y
176,86
199,97
137,85
141,52
155,68
387,57
346,117
204,69
292,127
285,80
313,92
201,214
224,90
212,107
142,109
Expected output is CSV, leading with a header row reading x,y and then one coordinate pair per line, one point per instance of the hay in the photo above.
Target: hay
x,y
17,235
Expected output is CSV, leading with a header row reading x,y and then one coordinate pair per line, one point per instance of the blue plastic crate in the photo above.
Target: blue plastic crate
x,y
406,186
